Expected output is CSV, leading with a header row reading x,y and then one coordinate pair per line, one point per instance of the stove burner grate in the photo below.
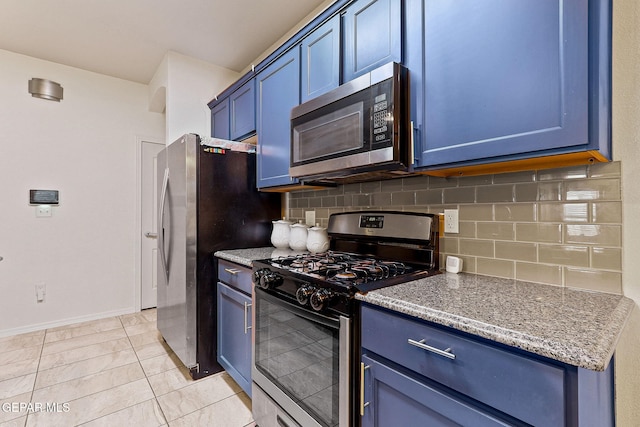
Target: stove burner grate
x,y
343,268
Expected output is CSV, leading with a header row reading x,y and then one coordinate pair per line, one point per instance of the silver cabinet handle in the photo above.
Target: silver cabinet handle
x,y
363,404
421,344
246,317
151,235
1,258
232,271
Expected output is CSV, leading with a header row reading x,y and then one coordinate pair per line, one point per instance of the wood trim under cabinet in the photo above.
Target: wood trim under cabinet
x,y
536,163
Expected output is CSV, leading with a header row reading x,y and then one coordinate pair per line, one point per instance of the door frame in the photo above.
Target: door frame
x,y
140,139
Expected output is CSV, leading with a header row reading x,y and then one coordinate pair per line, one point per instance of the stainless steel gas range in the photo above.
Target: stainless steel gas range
x,y
306,320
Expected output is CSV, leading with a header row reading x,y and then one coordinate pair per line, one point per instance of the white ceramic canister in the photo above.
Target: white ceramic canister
x,y
280,233
317,240
298,237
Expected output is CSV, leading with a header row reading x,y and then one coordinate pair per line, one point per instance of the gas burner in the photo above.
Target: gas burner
x,y
342,268
346,275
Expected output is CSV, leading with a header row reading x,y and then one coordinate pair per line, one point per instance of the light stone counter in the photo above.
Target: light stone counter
x,y
247,256
573,326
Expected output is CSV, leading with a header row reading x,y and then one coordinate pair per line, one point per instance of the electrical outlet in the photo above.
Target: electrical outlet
x,y
310,218
451,221
43,211
41,290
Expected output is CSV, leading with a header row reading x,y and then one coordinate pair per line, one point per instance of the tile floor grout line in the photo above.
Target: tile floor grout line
x,y
35,379
84,336
155,397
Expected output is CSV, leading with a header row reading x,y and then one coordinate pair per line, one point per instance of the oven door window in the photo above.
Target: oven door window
x,y
298,351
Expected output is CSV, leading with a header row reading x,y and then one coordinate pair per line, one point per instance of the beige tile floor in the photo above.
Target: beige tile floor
x,y
110,372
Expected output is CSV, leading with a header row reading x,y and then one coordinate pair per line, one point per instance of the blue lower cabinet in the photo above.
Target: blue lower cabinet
x,y
393,398
278,88
416,370
234,335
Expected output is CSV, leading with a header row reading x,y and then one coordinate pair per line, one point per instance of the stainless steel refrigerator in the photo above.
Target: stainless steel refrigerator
x,y
207,202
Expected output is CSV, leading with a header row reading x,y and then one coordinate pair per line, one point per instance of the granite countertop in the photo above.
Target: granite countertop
x,y
577,327
247,256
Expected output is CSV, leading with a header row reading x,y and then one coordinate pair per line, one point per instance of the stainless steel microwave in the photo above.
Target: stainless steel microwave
x,y
360,129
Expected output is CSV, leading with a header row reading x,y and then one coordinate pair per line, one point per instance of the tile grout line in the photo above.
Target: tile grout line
x,y
146,377
35,379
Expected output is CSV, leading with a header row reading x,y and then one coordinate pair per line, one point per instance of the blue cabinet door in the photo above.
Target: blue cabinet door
x,y
503,80
320,60
242,104
234,335
372,36
396,399
220,120
278,88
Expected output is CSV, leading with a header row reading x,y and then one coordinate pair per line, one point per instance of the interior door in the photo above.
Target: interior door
x,y
149,223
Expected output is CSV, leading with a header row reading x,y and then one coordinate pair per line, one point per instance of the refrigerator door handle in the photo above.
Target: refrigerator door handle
x,y
163,257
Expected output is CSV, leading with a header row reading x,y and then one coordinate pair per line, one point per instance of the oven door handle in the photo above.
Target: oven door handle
x,y
307,313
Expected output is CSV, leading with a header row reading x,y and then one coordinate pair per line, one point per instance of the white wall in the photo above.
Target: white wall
x,y
626,140
189,84
85,147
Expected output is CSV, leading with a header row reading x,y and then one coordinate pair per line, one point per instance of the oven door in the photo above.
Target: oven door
x,y
301,360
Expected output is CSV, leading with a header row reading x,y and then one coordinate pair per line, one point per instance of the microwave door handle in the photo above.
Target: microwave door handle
x,y
163,258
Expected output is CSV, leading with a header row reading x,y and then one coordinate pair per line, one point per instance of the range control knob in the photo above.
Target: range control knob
x,y
320,299
304,292
267,279
257,275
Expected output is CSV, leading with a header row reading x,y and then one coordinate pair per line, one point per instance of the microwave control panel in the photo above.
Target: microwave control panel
x,y
381,114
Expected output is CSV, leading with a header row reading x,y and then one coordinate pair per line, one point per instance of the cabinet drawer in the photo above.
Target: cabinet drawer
x,y
235,275
400,400
530,390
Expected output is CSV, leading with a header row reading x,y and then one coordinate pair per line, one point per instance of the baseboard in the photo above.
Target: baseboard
x,y
64,322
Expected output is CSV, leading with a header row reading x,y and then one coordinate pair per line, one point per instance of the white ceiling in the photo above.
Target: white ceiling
x,y
129,38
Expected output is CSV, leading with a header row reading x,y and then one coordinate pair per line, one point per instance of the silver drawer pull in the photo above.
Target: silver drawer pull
x,y
422,345
232,271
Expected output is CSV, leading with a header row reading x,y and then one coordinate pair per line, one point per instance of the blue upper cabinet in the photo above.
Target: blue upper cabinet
x,y
220,120
242,104
372,35
320,60
511,80
278,87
